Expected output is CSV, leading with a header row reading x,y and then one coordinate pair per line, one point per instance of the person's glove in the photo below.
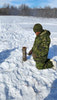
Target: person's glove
x,y
30,52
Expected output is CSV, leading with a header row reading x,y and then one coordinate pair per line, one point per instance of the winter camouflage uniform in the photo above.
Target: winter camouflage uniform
x,y
40,50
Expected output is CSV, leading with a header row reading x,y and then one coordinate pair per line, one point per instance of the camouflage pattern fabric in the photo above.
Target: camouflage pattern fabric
x,y
44,65
40,50
37,28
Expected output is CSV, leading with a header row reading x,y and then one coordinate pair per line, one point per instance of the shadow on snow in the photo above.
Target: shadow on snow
x,y
5,54
53,92
52,52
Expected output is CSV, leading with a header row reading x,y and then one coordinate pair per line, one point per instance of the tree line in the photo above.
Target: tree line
x,y
24,10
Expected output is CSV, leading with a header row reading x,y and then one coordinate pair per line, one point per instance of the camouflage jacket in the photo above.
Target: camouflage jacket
x,y
41,45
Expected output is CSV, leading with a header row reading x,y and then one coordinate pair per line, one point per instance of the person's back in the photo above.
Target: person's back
x,y
41,44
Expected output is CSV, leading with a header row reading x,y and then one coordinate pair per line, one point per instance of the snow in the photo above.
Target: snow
x,y
22,80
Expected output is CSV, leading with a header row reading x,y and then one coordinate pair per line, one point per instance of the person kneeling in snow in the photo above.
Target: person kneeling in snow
x,y
40,48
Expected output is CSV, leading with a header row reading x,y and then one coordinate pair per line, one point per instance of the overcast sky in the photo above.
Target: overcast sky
x,y
30,3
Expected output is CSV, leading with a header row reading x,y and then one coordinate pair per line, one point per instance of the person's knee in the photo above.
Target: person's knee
x,y
39,65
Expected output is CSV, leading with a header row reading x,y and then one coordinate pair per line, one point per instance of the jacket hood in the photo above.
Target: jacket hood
x,y
45,32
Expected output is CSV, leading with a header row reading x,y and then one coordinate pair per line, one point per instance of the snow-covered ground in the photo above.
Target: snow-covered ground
x,y
22,80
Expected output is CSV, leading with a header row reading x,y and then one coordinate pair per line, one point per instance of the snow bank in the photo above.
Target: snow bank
x,y
22,80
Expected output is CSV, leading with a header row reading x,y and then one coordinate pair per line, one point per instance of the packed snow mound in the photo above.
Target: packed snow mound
x,y
22,80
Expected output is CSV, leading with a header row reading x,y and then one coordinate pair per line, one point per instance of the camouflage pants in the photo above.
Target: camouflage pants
x,y
44,64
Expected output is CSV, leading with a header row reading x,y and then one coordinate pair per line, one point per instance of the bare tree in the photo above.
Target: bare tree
x,y
24,10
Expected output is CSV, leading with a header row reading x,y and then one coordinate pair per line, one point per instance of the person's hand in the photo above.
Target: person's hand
x,y
30,52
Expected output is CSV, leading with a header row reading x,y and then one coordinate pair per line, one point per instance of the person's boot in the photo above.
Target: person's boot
x,y
54,63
